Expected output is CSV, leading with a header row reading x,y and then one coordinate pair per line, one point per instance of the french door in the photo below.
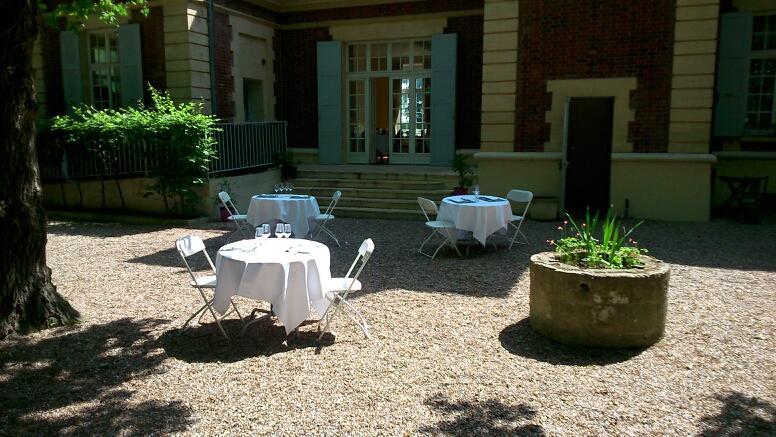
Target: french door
x,y
410,109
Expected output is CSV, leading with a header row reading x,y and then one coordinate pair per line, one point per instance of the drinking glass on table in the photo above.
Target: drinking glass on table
x,y
287,229
276,188
290,188
266,231
476,192
279,230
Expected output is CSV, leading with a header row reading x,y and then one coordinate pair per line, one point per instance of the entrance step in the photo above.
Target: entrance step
x,y
380,192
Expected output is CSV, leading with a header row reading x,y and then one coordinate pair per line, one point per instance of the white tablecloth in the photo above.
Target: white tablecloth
x,y
300,211
481,218
287,272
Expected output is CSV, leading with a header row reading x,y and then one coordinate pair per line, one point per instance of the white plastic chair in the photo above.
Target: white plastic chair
x,y
234,215
338,289
191,245
519,196
322,219
442,228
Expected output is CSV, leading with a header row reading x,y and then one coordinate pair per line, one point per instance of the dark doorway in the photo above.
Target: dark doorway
x,y
589,154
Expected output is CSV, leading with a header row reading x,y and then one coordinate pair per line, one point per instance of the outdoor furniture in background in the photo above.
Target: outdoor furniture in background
x,y
297,209
746,195
519,196
441,228
189,246
480,215
288,273
234,215
338,289
322,219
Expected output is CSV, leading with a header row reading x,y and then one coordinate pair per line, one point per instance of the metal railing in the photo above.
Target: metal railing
x,y
239,146
243,146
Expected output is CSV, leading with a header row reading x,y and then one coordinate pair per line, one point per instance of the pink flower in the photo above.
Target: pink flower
x,y
560,228
565,222
583,225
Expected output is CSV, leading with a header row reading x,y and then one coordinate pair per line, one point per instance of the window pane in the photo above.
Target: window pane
x,y
758,41
755,66
400,56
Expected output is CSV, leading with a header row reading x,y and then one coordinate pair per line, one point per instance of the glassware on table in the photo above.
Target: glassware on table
x,y
287,230
279,230
276,188
266,230
476,192
290,188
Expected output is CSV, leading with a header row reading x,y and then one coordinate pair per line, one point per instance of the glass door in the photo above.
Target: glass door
x,y
410,133
357,122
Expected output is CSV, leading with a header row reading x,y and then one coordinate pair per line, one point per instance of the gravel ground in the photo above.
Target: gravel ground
x,y
452,353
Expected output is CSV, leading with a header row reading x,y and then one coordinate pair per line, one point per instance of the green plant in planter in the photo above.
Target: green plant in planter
x,y
604,248
285,159
463,169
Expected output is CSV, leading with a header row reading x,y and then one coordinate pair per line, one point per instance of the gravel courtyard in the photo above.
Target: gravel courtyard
x,y
452,353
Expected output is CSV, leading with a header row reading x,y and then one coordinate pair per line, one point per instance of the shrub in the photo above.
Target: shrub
x,y
601,249
178,136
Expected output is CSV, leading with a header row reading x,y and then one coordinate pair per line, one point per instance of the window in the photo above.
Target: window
x,y
104,71
357,58
357,116
389,56
760,103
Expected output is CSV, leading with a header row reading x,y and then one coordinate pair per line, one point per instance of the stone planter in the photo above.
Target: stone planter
x,y
543,208
597,307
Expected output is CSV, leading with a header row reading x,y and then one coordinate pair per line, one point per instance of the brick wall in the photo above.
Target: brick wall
x,y
296,90
152,49
576,39
383,10
468,80
223,68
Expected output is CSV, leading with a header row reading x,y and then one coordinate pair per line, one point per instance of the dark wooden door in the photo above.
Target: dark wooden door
x,y
589,154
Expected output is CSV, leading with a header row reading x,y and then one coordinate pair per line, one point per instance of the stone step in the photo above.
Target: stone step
x,y
379,175
379,213
374,193
369,183
356,202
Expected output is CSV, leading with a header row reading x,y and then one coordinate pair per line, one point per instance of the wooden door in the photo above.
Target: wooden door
x,y
588,154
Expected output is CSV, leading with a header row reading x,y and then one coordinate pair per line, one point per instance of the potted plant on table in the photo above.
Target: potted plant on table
x,y
598,288
285,159
464,170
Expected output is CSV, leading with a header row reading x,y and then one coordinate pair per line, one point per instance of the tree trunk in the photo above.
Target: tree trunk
x,y
28,299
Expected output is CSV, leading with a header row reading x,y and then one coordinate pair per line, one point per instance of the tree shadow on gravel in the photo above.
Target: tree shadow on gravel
x,y
99,230
78,366
490,417
171,258
205,344
741,415
521,339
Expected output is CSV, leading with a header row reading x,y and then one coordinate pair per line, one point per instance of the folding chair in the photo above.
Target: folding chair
x,y
338,289
322,219
191,245
234,215
519,196
442,228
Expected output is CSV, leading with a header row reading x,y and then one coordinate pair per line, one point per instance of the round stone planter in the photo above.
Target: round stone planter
x,y
597,307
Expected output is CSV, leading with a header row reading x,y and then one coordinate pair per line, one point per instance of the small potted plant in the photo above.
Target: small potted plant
x,y
464,170
597,287
285,159
223,185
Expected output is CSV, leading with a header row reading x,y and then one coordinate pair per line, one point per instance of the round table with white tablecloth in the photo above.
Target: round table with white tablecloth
x,y
298,210
482,216
289,273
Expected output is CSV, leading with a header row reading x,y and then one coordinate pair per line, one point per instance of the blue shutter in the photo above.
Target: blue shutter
x,y
70,58
732,73
443,67
330,102
131,61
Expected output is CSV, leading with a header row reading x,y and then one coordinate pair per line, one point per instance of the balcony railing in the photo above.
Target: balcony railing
x,y
240,147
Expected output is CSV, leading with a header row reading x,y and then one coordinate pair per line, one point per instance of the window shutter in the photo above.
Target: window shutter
x,y
70,58
329,102
733,73
131,61
443,68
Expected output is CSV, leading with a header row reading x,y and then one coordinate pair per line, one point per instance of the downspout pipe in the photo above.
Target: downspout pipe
x,y
211,38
